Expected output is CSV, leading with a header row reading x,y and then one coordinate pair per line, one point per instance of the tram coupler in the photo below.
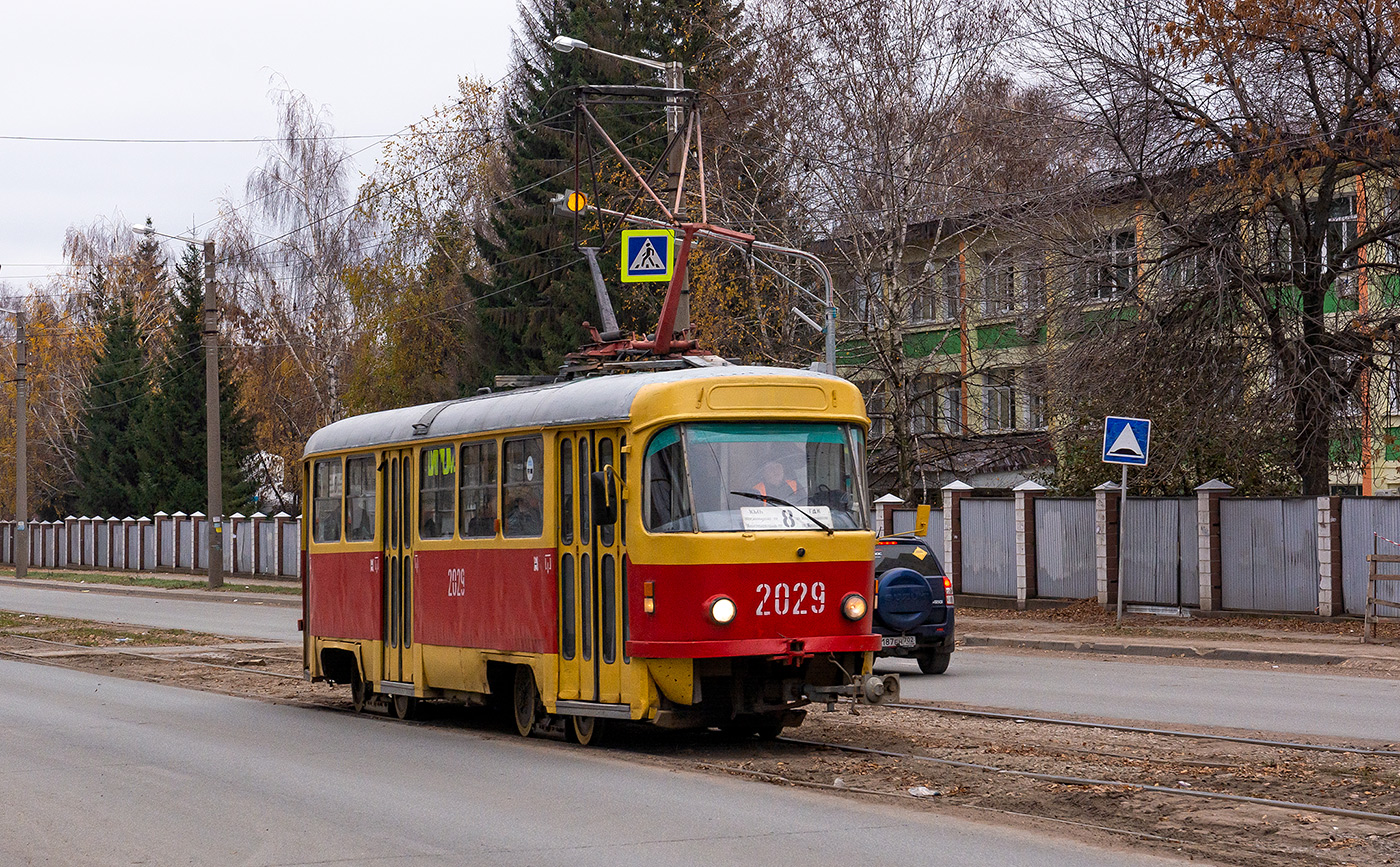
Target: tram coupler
x,y
867,688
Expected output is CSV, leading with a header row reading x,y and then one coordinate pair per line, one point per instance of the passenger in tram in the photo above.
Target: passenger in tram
x,y
523,516
483,521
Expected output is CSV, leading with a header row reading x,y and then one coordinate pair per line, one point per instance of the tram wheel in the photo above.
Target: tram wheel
x,y
358,693
583,730
527,699
404,706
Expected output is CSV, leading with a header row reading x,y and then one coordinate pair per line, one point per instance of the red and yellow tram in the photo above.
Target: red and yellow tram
x,y
688,547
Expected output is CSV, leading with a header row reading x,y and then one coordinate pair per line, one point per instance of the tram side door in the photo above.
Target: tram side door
x,y
608,578
592,581
398,565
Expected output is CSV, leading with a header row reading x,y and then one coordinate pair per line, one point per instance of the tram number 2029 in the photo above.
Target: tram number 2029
x,y
456,582
796,598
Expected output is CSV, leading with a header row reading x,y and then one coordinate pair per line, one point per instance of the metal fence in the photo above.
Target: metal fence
x,y
1159,552
1064,548
1363,520
254,545
989,546
1268,554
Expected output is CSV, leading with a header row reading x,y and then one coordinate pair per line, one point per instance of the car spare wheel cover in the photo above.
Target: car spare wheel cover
x,y
904,599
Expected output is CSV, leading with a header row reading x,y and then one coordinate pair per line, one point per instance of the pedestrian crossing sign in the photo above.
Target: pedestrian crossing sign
x,y
1126,440
648,254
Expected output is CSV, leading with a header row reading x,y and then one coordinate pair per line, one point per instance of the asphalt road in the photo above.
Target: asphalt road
x,y
1274,701
248,620
103,771
1164,693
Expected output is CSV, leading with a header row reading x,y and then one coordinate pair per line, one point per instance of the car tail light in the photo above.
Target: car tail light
x,y
947,590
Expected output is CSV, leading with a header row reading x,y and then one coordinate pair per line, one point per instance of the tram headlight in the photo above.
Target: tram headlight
x,y
722,610
854,606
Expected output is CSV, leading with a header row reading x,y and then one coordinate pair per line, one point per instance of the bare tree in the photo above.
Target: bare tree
x,y
909,148
283,281
1248,162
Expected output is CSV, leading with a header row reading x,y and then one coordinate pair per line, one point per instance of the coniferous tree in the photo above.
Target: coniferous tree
x,y
109,450
173,439
541,293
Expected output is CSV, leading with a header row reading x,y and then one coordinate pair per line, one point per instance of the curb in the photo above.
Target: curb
x,y
1230,654
226,597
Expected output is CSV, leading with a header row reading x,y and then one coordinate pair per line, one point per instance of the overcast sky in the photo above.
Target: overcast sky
x,y
155,69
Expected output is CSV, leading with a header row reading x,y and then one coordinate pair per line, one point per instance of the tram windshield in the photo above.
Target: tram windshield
x,y
755,476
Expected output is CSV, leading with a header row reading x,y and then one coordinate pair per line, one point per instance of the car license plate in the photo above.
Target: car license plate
x,y
897,641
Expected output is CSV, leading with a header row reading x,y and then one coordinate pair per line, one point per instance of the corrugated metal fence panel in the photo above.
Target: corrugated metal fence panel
x,y
1064,548
1159,552
1362,518
1268,556
291,550
989,546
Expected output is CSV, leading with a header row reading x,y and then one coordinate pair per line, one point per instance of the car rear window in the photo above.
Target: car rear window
x,y
910,555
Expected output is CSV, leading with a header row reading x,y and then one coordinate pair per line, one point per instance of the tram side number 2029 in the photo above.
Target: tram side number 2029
x,y
795,598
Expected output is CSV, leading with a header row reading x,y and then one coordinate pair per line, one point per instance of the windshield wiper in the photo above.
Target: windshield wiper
x,y
767,499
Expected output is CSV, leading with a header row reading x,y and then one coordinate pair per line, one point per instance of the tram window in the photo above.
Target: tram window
x,y
667,505
523,488
359,499
607,532
566,491
585,486
437,490
569,637
478,469
609,608
325,506
743,475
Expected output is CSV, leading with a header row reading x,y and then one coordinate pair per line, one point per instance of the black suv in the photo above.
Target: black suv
x,y
913,603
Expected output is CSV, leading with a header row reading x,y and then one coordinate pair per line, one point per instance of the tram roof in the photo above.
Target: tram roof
x,y
581,401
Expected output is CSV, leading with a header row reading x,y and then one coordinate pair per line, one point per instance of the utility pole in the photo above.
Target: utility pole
x,y
21,449
212,436
674,75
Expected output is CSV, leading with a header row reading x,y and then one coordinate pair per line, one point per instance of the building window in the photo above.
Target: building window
x,y
952,303
1034,388
865,296
950,406
998,285
1393,380
922,287
923,405
1109,269
875,408
999,401
1341,233
1031,281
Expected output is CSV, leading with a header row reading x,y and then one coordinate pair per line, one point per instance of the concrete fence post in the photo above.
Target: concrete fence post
x,y
1329,556
71,528
259,519
1026,494
953,494
1106,542
1208,498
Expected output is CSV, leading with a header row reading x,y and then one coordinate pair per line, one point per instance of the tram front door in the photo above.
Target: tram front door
x,y
592,598
398,571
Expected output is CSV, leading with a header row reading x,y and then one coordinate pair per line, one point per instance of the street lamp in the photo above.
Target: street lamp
x,y
211,402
